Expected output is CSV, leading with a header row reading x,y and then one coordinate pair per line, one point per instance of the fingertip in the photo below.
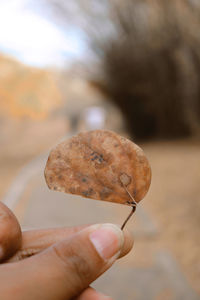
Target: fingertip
x,y
107,239
125,238
128,243
10,232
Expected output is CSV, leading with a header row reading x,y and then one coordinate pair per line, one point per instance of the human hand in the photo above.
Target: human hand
x,y
63,262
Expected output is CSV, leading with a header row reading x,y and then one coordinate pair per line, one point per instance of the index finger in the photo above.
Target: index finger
x,y
10,233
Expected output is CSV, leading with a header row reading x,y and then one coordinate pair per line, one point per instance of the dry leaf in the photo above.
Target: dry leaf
x,y
100,165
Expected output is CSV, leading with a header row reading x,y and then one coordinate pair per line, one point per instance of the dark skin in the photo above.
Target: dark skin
x,y
33,260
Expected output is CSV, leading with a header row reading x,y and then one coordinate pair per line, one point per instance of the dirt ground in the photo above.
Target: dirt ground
x,y
173,200
22,140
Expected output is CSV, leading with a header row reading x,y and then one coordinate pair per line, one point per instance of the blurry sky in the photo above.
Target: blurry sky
x,y
26,34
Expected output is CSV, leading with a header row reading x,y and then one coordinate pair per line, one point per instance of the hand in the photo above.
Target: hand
x,y
63,262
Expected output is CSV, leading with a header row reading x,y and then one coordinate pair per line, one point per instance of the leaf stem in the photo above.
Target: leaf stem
x,y
133,203
129,216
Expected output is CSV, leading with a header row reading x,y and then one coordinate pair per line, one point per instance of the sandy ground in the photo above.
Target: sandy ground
x,y
173,200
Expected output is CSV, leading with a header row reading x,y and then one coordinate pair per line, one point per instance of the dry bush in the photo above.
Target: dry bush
x,y
149,54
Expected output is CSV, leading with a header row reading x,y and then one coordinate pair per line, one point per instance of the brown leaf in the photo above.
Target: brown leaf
x,y
100,165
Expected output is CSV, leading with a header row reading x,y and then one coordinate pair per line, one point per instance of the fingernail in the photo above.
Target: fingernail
x,y
107,240
1,252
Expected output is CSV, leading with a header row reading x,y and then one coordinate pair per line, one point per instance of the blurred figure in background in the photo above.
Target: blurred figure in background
x,y
94,118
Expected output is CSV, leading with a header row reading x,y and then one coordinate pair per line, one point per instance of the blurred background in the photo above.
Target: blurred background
x,y
131,66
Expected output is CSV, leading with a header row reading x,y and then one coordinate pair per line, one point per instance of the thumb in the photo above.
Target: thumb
x,y
67,268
